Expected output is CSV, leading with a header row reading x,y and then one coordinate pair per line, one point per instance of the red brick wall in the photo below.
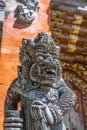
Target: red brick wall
x,y
11,40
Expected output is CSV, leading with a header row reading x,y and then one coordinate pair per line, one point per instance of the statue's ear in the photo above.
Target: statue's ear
x,y
34,73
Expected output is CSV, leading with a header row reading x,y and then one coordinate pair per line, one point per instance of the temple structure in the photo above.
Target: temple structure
x,y
68,27
66,22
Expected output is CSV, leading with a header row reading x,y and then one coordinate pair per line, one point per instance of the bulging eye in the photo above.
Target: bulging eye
x,y
39,58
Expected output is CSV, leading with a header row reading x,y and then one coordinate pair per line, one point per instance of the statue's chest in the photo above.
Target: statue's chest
x,y
47,96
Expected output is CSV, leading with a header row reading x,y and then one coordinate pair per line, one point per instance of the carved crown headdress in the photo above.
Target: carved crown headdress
x,y
42,43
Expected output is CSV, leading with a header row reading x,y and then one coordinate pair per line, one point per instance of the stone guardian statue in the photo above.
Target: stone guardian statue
x,y
44,96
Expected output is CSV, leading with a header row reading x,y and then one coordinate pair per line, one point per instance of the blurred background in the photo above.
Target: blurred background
x,y
66,22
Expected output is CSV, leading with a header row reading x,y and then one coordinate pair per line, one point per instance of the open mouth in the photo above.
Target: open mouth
x,y
48,76
48,73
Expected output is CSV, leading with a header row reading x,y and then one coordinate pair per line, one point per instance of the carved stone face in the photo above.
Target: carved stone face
x,y
39,59
44,69
27,11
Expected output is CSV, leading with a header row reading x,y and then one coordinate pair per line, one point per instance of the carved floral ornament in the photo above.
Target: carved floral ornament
x,y
27,10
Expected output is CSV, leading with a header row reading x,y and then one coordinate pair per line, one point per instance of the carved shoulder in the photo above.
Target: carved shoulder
x,y
16,86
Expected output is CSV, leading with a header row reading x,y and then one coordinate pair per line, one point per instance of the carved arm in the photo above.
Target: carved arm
x,y
66,101
12,118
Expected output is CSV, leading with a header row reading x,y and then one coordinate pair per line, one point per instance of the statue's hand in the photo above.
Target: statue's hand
x,y
37,109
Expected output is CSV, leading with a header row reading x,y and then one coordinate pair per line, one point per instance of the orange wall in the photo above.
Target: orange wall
x,y
11,40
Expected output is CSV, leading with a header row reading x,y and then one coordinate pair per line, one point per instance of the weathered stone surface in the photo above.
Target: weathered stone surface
x,y
44,96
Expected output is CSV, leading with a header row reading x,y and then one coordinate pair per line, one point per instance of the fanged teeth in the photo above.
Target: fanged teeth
x,y
49,73
39,50
50,76
50,67
50,70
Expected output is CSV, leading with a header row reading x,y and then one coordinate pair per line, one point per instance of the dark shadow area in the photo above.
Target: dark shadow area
x,y
18,1
7,13
72,3
48,13
20,25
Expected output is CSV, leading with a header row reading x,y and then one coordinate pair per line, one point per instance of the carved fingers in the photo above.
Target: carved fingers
x,y
36,112
37,109
40,110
